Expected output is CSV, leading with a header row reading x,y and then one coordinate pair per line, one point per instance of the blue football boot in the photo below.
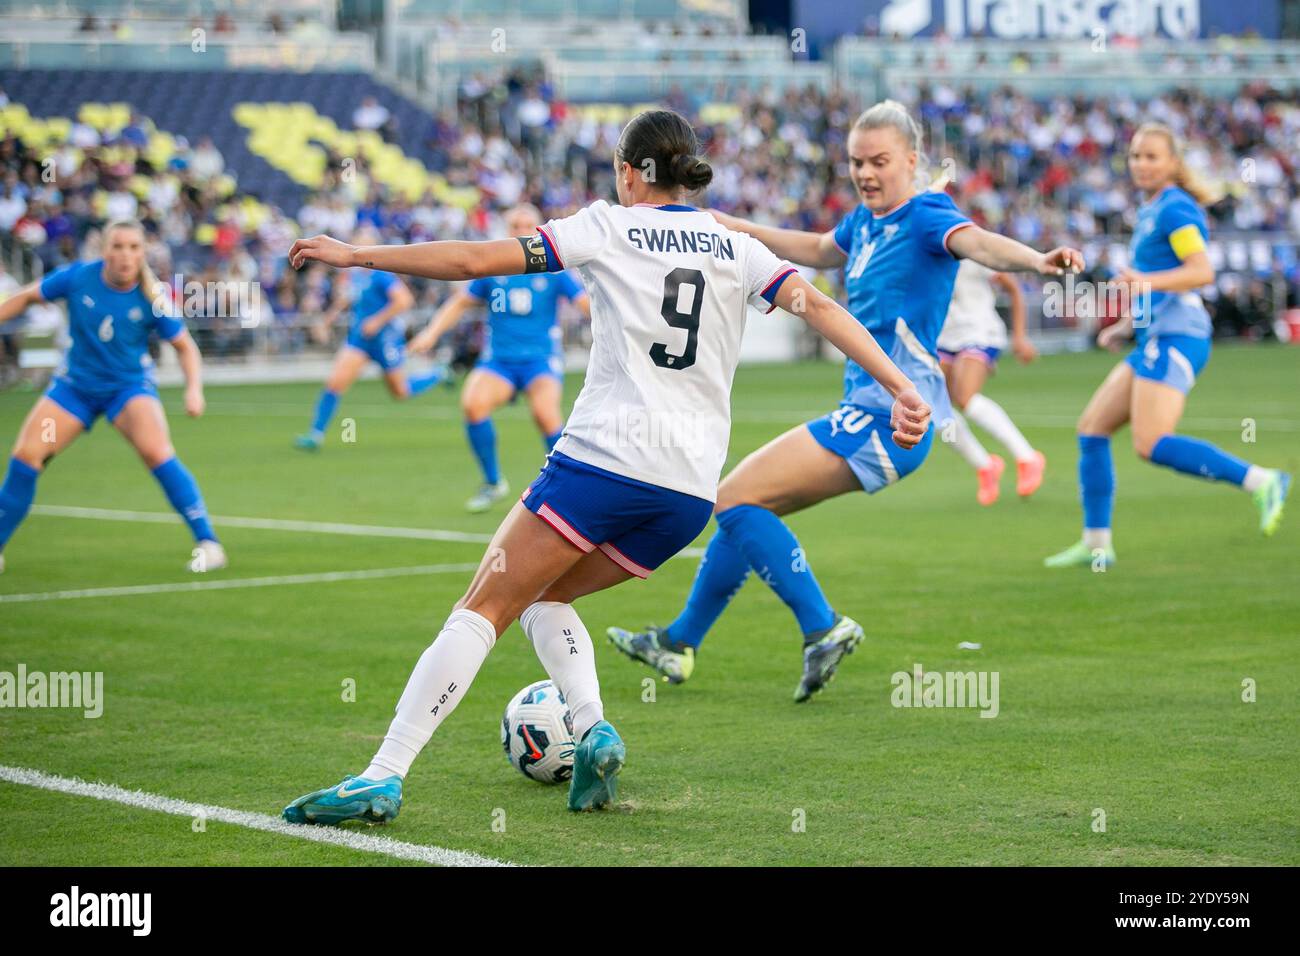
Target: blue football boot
x,y
356,798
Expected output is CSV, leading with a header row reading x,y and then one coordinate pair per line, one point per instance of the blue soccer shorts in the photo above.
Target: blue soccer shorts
x,y
1173,360
636,525
863,438
387,349
86,406
522,374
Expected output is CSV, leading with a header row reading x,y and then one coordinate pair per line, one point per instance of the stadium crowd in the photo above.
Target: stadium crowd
x,y
1042,171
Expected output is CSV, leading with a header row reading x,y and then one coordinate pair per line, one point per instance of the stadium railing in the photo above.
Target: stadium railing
x,y
1065,67
335,52
143,11
729,11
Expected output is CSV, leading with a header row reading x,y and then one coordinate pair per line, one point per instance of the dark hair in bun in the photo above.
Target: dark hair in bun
x,y
661,145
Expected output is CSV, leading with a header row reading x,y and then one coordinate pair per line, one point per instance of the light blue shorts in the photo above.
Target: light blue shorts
x,y
864,439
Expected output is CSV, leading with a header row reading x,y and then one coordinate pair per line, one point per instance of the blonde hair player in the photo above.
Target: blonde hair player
x,y
1148,390
669,288
899,250
113,303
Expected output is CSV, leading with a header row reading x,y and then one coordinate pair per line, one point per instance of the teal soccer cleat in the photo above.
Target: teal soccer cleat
x,y
356,798
311,441
596,764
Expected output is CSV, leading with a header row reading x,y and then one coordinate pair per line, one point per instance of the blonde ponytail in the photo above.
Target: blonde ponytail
x,y
1185,177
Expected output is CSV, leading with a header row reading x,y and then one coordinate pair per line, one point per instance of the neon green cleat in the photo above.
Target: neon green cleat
x,y
1079,555
1270,499
674,663
821,658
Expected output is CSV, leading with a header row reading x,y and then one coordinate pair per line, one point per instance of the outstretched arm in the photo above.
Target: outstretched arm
x,y
910,416
817,250
449,260
442,322
1006,255
19,302
1195,272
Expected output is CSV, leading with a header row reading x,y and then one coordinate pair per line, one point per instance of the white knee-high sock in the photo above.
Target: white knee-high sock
x,y
966,444
991,417
439,682
564,647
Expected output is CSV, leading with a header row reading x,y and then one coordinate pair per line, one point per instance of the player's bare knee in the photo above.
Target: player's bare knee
x,y
155,455
33,454
1143,444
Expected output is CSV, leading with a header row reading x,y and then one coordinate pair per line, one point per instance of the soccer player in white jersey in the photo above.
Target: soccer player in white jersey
x,y
972,338
634,477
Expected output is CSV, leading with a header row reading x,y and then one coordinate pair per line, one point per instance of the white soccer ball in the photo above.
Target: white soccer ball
x,y
537,733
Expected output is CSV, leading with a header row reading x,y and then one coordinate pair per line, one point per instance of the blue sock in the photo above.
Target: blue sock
x,y
325,406
721,573
483,439
422,383
183,493
774,554
1096,480
1192,456
552,438
16,496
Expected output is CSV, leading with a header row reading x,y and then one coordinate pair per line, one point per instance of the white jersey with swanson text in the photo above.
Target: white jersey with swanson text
x,y
668,288
973,320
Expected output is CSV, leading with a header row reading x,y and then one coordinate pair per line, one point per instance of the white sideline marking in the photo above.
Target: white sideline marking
x,y
387,846
276,524
222,584
268,524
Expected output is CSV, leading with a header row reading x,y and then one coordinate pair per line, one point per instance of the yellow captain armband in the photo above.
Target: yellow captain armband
x,y
1186,240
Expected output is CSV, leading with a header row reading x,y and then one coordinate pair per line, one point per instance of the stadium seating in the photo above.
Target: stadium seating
x,y
191,105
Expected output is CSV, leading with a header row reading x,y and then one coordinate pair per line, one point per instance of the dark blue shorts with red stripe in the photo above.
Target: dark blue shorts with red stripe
x,y
636,525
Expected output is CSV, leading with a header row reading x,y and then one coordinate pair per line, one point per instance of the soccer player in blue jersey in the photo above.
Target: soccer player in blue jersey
x,y
899,249
522,354
376,334
1149,388
113,305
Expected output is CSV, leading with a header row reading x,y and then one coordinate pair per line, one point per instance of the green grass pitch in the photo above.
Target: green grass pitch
x,y
1119,692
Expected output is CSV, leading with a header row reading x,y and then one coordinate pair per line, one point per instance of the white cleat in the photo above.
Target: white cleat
x,y
2,564
207,556
487,496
